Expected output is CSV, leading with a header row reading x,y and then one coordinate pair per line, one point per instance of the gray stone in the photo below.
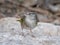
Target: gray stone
x,y
11,33
10,29
45,29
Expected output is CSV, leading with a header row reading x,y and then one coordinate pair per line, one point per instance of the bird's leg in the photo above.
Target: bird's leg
x,y
31,33
30,30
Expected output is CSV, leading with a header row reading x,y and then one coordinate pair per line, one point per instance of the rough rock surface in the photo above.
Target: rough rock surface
x,y
11,33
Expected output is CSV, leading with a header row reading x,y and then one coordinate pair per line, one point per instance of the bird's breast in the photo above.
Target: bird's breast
x,y
30,23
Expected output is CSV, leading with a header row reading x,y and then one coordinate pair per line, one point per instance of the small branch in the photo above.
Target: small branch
x,y
57,14
38,10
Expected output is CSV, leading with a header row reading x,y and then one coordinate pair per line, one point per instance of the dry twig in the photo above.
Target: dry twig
x,y
38,10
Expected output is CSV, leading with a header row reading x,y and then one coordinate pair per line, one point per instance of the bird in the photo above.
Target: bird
x,y
30,19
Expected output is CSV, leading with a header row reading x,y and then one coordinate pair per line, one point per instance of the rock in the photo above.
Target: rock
x,y
47,34
10,29
44,18
10,24
55,8
2,1
45,29
56,22
29,3
8,11
11,33
9,7
58,27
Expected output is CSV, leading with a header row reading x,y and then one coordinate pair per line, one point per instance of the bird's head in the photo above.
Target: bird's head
x,y
30,15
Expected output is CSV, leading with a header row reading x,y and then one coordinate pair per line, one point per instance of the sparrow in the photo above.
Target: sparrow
x,y
29,20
